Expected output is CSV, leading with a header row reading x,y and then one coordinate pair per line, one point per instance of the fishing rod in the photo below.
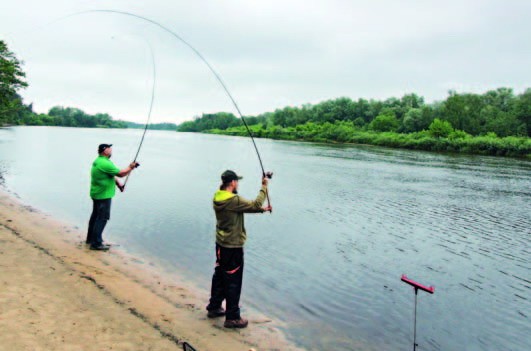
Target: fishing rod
x,y
265,174
150,107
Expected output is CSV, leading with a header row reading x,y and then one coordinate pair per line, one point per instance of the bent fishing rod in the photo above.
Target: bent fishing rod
x,y
150,107
198,54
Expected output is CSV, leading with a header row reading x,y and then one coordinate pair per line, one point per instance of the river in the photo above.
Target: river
x,y
347,222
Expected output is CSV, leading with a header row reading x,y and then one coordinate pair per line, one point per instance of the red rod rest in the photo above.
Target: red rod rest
x,y
416,285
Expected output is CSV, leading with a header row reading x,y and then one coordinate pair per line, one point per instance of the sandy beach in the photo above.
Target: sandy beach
x,y
56,294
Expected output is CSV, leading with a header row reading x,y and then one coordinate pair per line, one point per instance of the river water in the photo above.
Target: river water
x,y
348,221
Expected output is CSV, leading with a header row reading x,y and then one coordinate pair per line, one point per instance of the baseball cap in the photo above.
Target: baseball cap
x,y
229,176
102,147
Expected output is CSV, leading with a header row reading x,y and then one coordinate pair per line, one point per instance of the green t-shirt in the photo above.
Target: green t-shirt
x,y
102,185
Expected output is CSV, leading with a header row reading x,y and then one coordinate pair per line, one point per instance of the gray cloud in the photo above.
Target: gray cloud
x,y
270,54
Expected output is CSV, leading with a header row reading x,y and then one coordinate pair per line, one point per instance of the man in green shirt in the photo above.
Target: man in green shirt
x,y
102,189
230,238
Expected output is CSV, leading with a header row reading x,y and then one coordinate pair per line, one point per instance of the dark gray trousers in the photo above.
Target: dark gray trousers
x,y
101,213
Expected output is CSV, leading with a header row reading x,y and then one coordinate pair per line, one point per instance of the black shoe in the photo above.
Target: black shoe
x,y
218,312
90,243
236,323
99,248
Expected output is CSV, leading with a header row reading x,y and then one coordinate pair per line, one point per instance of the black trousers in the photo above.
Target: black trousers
x,y
101,213
227,281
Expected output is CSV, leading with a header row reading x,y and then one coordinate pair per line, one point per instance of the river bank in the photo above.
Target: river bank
x,y
456,142
56,294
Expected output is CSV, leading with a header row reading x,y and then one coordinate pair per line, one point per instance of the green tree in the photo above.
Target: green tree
x,y
501,98
220,120
499,122
343,109
285,117
359,122
410,101
463,111
413,121
366,110
11,81
384,123
522,111
440,129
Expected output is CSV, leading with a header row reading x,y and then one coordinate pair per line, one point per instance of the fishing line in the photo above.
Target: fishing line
x,y
218,77
150,106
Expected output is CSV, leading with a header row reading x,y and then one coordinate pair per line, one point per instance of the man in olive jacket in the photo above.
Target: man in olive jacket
x,y
230,238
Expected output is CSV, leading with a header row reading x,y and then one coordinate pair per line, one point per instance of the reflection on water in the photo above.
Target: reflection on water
x,y
347,223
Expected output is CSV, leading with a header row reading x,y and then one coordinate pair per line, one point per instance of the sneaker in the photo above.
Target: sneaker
x,y
99,248
218,312
236,323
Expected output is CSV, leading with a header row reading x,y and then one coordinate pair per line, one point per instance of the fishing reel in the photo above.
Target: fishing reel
x,y
268,175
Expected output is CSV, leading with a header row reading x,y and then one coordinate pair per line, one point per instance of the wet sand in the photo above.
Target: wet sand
x,y
56,294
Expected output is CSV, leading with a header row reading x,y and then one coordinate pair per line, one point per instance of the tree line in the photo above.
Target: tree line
x,y
14,112
497,122
157,126
497,111
221,120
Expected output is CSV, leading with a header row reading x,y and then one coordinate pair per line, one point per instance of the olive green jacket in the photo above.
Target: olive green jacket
x,y
229,208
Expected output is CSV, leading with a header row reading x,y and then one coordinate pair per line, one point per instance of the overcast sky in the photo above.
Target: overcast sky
x,y
270,53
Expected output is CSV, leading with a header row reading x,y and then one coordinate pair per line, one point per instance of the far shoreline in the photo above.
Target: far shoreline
x,y
383,147
525,156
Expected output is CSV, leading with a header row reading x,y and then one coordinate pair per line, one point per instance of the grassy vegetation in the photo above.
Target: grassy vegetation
x,y
431,140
